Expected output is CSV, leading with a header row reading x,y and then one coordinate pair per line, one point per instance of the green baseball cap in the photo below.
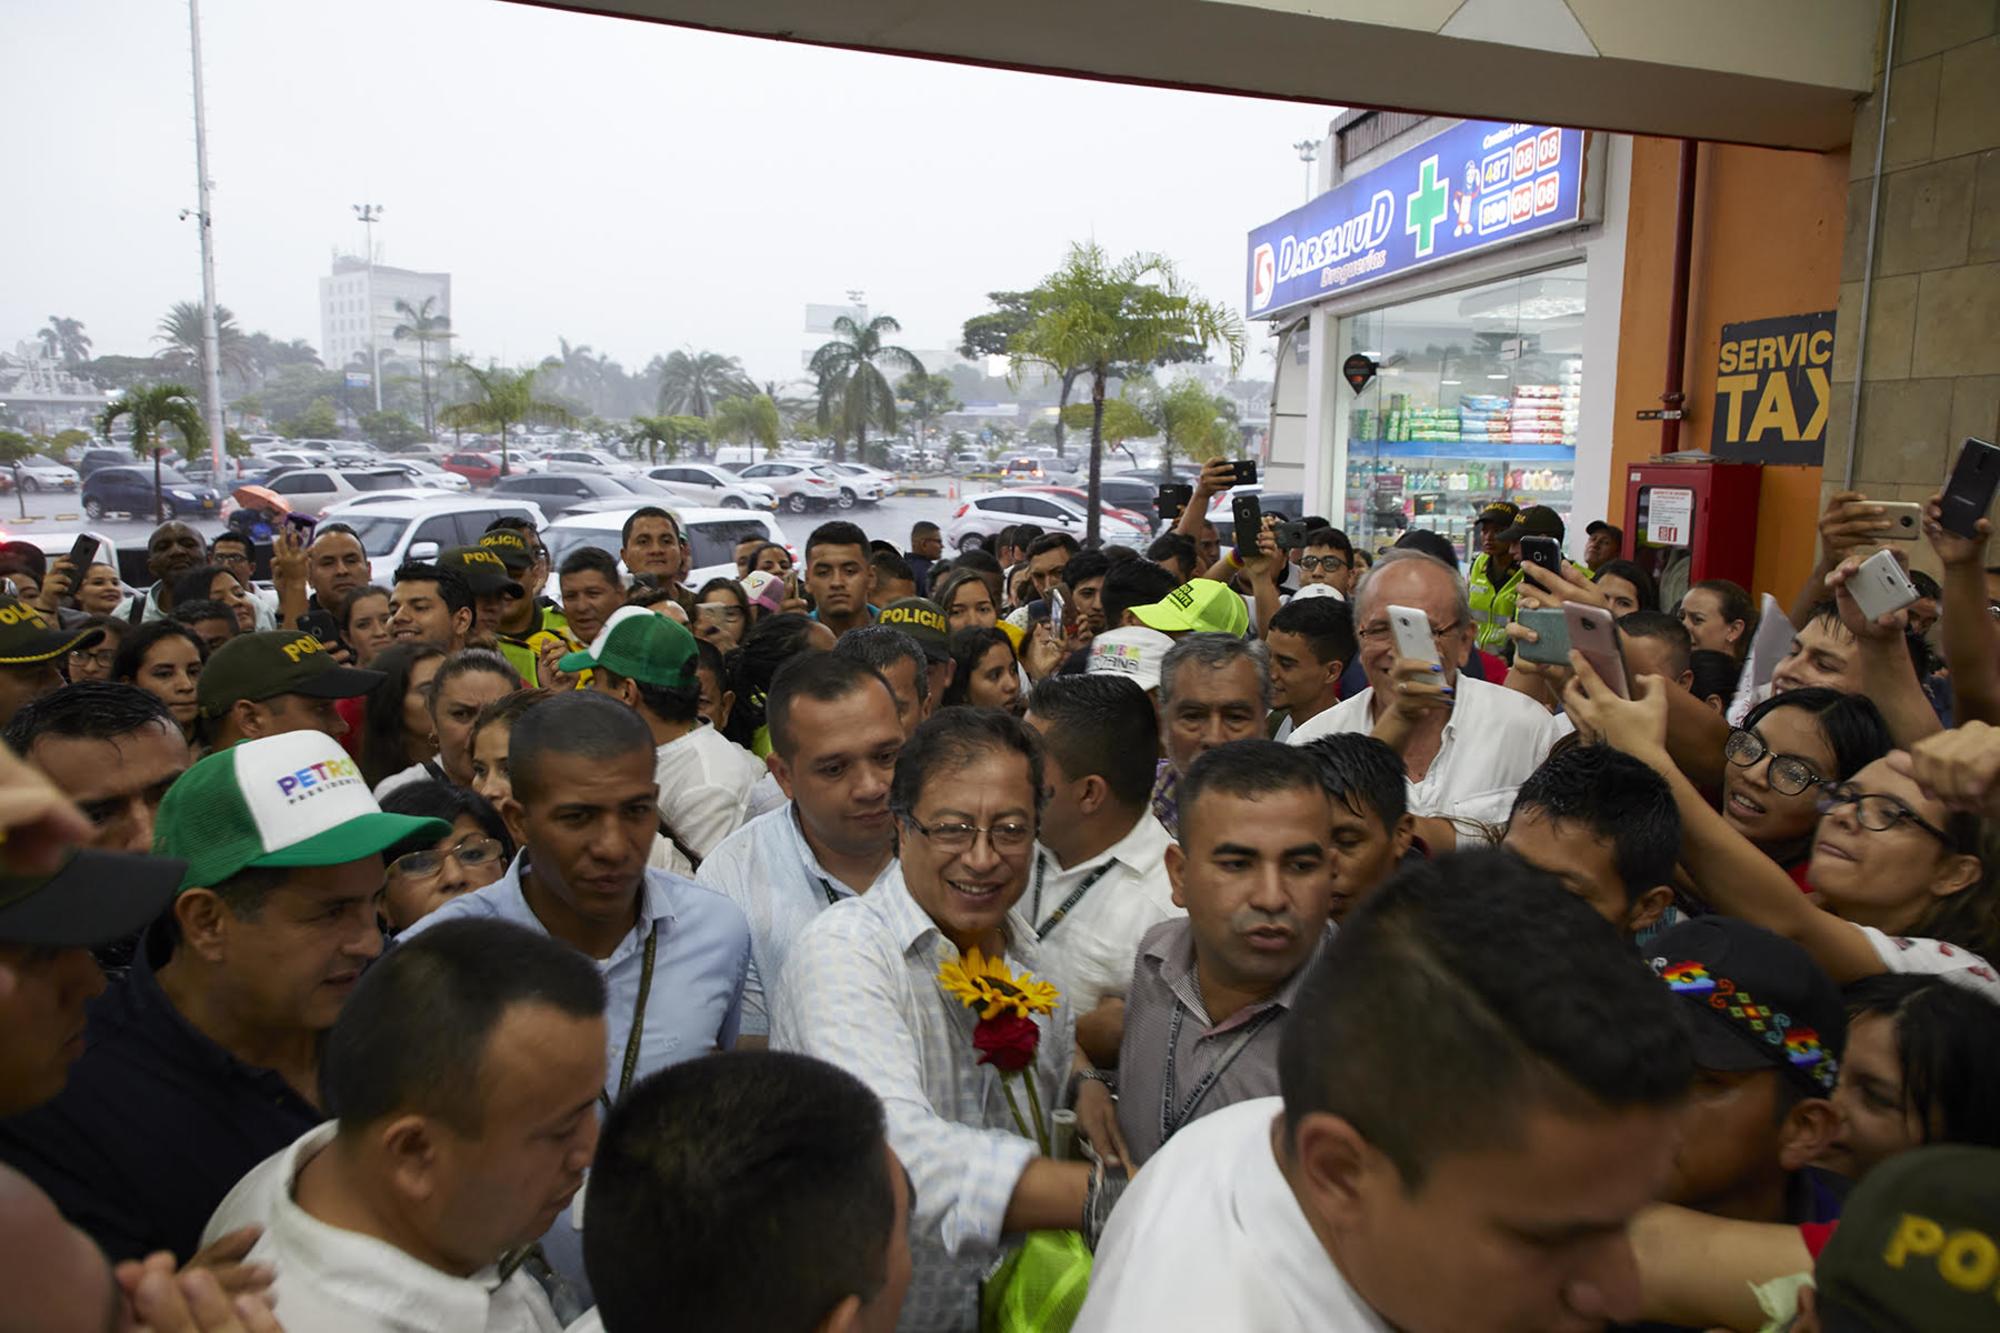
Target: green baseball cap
x,y
92,899
923,620
483,570
1201,606
639,645
26,636
296,799
272,662
1916,1245
511,547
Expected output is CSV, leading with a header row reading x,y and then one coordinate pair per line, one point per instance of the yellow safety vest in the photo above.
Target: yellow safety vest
x,y
1492,608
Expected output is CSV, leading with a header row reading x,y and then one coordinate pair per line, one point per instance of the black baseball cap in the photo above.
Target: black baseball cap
x,y
273,662
923,620
1597,525
483,571
1755,1000
92,899
1535,521
27,637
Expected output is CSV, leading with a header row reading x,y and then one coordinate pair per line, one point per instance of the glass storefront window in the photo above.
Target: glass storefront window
x,y
1475,400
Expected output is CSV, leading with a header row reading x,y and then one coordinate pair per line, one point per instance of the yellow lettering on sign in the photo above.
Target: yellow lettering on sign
x,y
1816,377
1914,1235
1733,387
1767,353
1774,410
1726,363
1820,350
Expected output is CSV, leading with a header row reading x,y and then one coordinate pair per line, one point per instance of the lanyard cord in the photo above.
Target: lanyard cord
x,y
638,1020
1075,896
1170,1122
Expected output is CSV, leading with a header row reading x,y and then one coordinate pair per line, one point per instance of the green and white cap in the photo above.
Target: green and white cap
x,y
640,645
292,800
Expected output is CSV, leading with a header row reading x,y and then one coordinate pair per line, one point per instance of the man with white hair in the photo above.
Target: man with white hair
x,y
1466,744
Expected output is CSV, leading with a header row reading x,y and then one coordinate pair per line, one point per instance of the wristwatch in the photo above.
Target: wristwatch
x,y
1107,1186
1107,1078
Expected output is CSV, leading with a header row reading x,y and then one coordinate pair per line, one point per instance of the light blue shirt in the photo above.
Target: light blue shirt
x,y
695,1005
767,869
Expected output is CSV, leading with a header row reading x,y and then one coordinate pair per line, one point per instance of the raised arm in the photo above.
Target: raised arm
x,y
1728,872
1887,674
1850,524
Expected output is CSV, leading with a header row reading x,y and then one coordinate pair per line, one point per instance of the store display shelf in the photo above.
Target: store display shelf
x,y
1456,450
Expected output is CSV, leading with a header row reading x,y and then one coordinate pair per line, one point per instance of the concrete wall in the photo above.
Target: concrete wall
x,y
1767,241
1930,354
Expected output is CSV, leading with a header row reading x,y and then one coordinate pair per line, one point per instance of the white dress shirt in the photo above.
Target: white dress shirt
x,y
1210,1236
768,869
1089,950
1493,740
861,992
705,781
330,1280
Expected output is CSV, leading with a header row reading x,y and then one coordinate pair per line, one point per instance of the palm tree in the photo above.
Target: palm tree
x,y
153,411
65,338
180,330
505,397
665,435
1094,313
422,327
752,421
853,391
693,382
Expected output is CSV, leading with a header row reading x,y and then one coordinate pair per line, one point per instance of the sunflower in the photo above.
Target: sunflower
x,y
985,984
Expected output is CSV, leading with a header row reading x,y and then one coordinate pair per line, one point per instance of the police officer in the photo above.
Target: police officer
x,y
1494,581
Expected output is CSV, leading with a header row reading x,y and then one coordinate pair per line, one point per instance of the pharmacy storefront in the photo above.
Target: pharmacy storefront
x,y
1447,314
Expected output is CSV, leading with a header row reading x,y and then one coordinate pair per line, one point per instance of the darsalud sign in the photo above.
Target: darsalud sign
x,y
1477,185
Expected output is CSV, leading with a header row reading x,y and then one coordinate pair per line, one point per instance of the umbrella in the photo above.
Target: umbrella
x,y
260,497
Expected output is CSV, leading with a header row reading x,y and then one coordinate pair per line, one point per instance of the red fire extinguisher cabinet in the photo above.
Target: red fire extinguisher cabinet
x,y
1706,511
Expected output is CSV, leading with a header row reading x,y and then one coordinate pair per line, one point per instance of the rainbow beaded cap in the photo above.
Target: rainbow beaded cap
x,y
1792,1043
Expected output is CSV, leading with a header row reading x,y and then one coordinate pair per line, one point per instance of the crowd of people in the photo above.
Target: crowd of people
x,y
1032,938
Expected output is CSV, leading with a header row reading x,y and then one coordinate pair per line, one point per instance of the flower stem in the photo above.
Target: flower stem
x,y
1007,1087
1035,1105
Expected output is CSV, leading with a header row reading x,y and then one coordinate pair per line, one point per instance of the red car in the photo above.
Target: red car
x,y
479,469
1142,522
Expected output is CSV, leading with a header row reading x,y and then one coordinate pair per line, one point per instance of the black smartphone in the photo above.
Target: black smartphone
x,y
1245,471
1248,516
1291,535
305,523
1171,499
320,625
81,554
1969,493
1543,551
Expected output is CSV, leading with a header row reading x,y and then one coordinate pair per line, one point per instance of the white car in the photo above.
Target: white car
x,y
376,499
289,458
310,490
393,532
39,472
713,487
799,485
713,533
587,460
982,517
857,483
423,472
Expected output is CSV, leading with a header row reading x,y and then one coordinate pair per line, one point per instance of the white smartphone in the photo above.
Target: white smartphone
x,y
1056,614
1593,633
1880,587
1412,630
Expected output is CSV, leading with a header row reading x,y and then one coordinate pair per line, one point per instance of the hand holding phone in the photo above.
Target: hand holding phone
x,y
1544,552
1969,493
82,554
1593,633
1056,614
1248,517
1550,646
1171,499
1411,629
1243,471
1879,587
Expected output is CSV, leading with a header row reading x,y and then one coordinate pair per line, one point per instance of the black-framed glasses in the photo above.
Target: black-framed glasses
x,y
1878,811
471,854
1333,564
1790,774
1006,837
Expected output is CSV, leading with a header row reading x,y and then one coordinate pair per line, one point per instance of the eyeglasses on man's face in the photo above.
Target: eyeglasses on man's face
x,y
1789,774
1005,837
1332,564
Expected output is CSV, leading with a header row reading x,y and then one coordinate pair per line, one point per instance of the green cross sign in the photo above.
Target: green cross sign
x,y
1424,210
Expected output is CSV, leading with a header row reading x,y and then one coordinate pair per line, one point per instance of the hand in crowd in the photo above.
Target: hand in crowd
x,y
1953,549
1638,725
793,601
1263,566
1420,692
1217,476
288,557
194,1300
551,675
1851,523
1541,588
1889,627
1042,653
58,583
1097,1121
1960,767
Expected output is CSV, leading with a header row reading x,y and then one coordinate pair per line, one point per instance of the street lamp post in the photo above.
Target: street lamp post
x,y
1308,151
368,213
211,351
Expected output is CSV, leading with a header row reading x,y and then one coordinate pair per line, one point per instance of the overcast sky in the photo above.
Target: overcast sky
x,y
632,186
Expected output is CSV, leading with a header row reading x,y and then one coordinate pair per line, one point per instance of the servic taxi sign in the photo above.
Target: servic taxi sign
x,y
1475,186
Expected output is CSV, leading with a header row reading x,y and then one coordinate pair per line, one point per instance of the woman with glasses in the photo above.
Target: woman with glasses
x,y
1787,746
424,873
1901,884
721,613
94,662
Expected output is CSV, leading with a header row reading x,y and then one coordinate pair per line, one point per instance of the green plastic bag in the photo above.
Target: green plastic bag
x,y
1039,1288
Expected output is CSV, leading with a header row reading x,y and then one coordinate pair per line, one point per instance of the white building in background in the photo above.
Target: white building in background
x,y
344,309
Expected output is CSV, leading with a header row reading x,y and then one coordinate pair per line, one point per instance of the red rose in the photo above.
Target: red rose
x,y
1007,1042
